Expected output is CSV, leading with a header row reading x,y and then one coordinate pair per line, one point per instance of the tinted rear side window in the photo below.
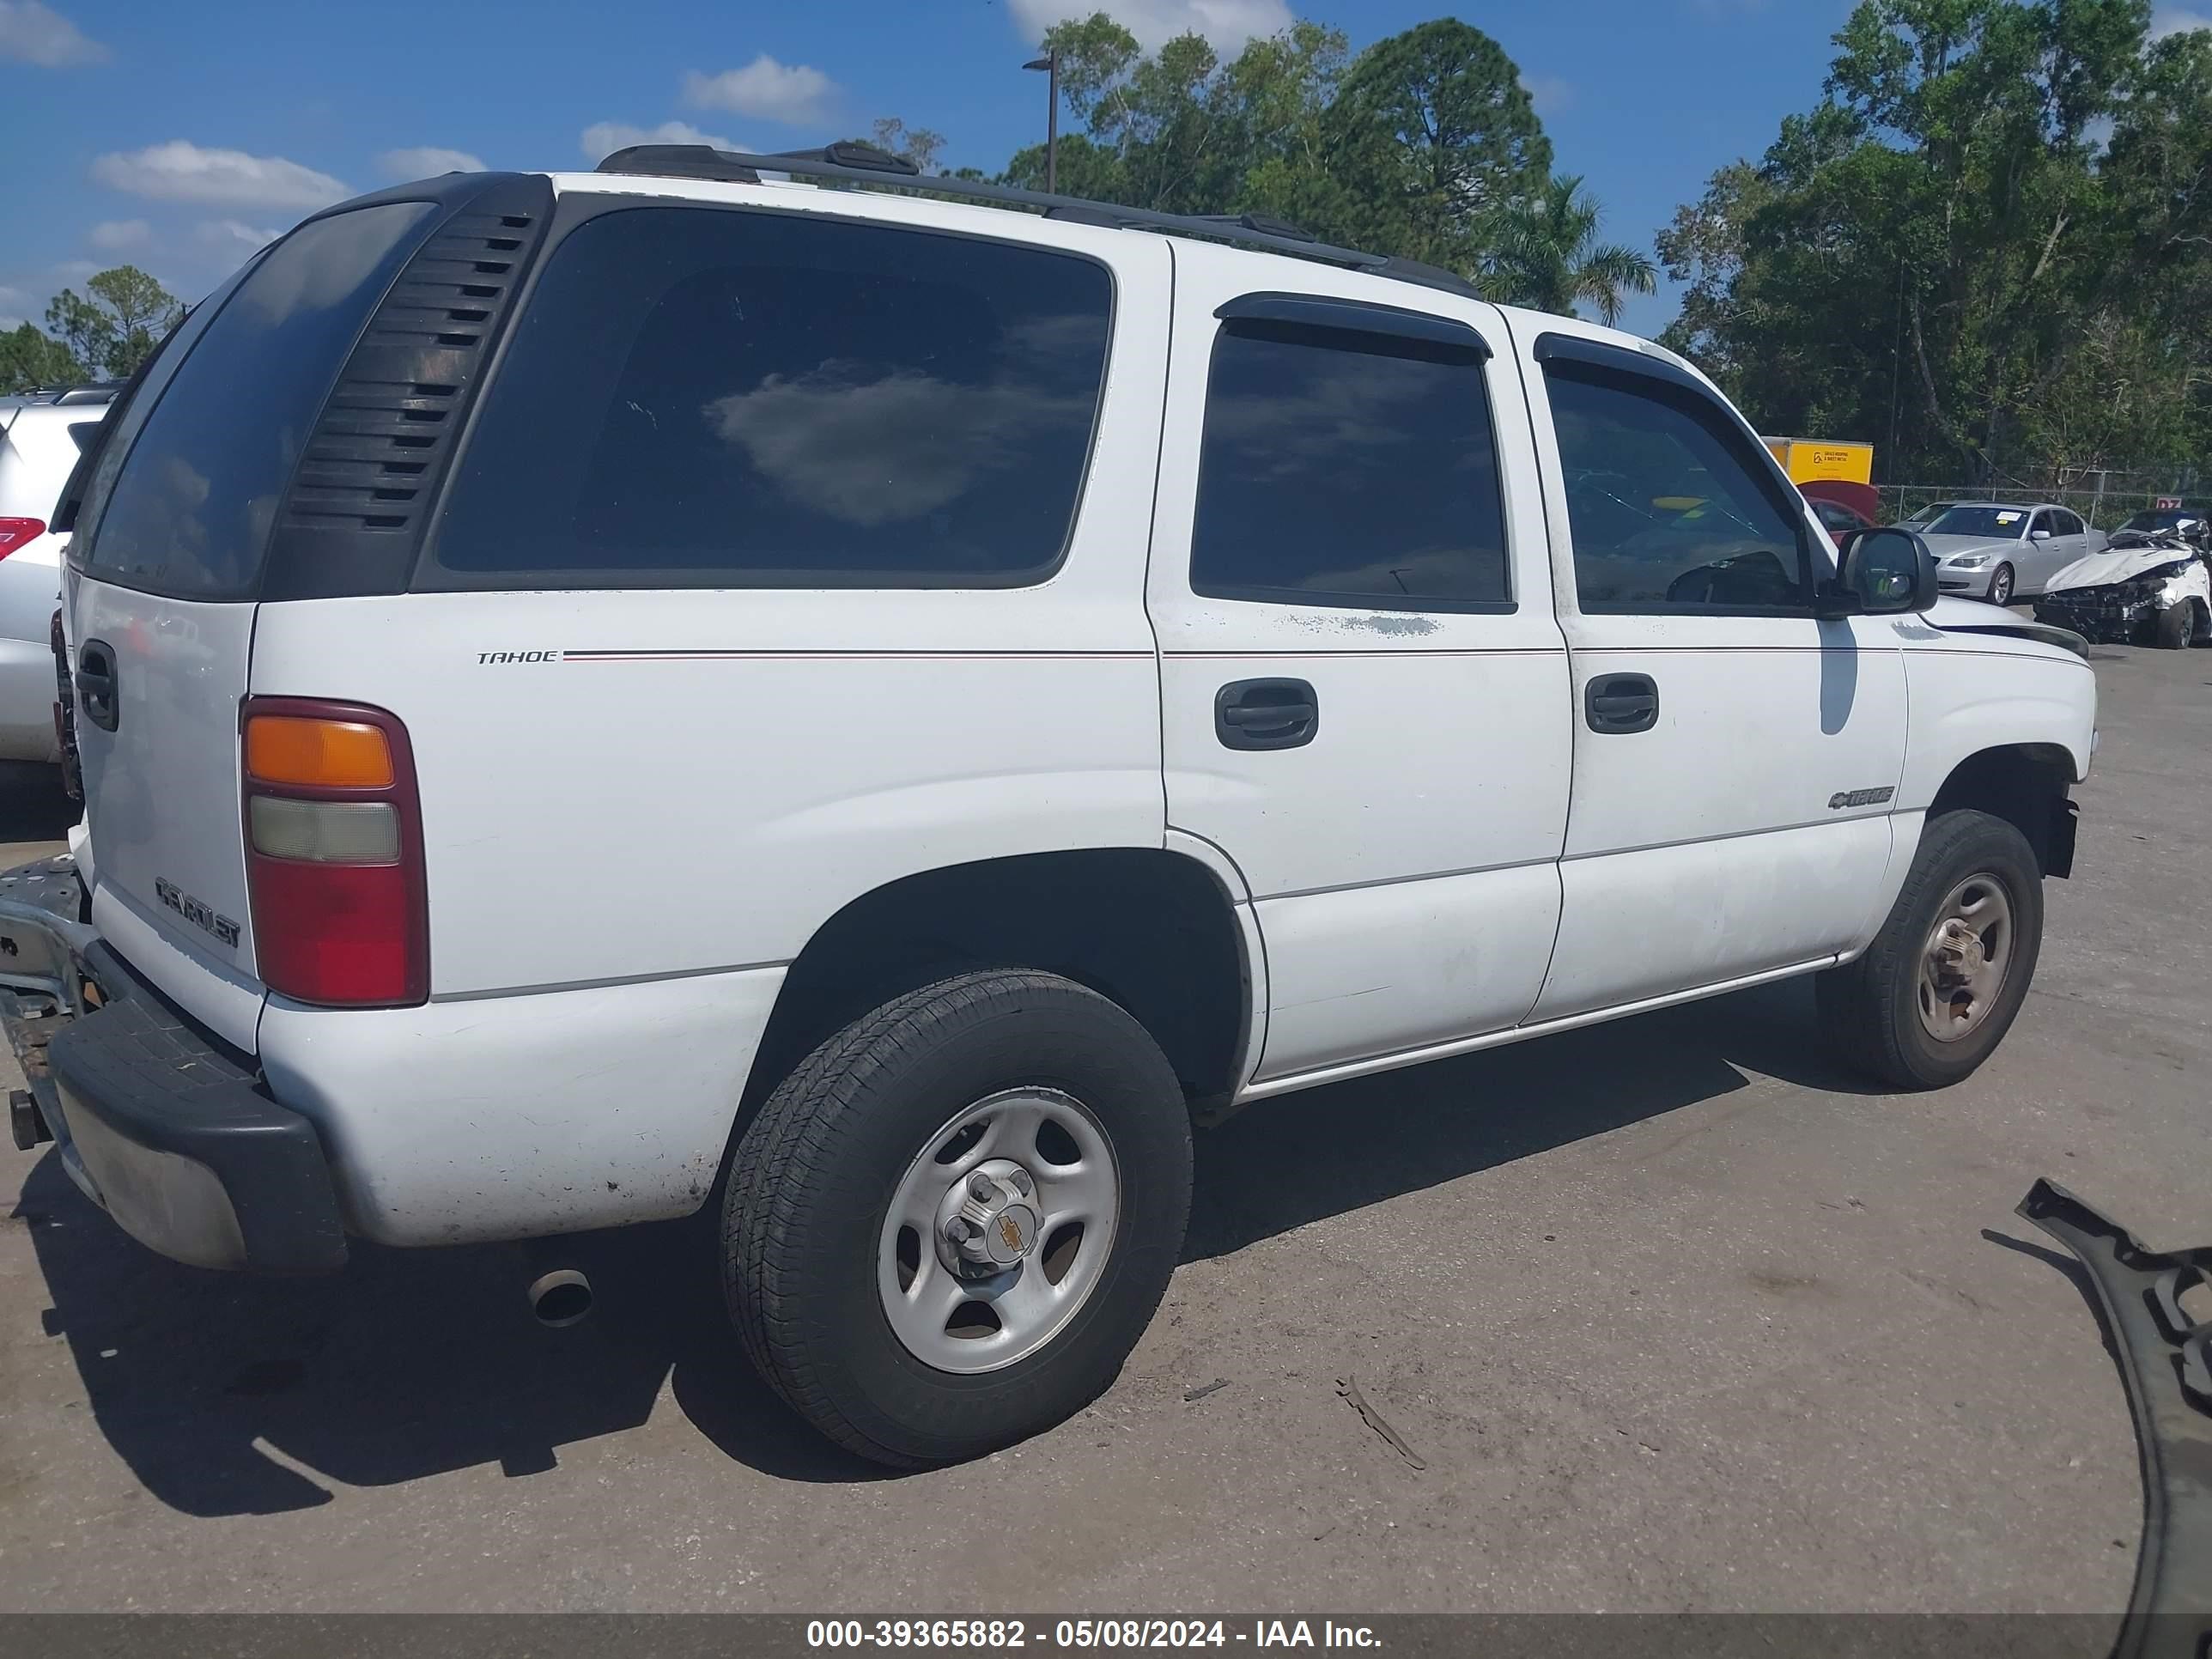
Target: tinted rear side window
x,y
186,508
717,398
1347,469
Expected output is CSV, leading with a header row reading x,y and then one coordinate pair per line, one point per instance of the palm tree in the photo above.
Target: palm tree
x,y
1544,254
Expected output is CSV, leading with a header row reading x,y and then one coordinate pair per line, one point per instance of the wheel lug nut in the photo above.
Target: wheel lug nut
x,y
957,1229
983,1188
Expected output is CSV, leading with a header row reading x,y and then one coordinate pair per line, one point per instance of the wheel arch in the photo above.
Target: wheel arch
x,y
2025,784
1157,931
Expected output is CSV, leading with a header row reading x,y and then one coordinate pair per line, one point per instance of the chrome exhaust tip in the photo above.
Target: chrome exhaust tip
x,y
560,1299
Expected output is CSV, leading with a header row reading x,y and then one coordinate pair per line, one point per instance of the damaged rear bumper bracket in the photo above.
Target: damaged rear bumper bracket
x,y
2165,1363
171,1133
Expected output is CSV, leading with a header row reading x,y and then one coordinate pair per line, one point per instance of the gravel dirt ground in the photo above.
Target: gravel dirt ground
x,y
1677,1315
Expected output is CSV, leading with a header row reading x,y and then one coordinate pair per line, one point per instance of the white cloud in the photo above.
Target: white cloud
x,y
113,235
769,91
1227,23
232,238
603,138
2173,19
14,306
426,161
36,34
182,171
76,270
1550,94
934,438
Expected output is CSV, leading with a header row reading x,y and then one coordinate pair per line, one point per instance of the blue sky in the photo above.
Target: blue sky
x,y
179,137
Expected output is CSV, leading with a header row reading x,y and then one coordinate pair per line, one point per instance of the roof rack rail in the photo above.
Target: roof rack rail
x,y
864,164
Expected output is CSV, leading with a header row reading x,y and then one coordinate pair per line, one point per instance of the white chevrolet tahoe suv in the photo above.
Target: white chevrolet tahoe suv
x,y
1046,677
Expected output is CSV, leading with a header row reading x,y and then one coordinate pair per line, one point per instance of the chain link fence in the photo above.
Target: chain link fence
x,y
2106,509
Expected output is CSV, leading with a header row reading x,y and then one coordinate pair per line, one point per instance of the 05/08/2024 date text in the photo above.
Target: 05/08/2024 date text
x,y
1007,1633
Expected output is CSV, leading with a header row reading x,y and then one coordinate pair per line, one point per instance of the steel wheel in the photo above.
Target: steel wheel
x,y
2001,586
999,1231
1963,965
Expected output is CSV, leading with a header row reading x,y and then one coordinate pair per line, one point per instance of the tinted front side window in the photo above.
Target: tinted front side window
x,y
699,398
1665,509
186,508
1348,470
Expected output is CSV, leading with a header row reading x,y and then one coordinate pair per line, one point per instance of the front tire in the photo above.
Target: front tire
x,y
2000,585
947,1228
1934,994
2177,626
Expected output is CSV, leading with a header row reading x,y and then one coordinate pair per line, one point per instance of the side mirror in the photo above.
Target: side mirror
x,y
2039,535
1881,573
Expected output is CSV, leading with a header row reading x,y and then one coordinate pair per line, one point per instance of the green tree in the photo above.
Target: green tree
x,y
1406,149
1444,136
916,144
1944,249
30,358
115,327
1544,254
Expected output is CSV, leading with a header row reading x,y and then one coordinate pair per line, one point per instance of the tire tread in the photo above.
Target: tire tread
x,y
1858,1003
794,1140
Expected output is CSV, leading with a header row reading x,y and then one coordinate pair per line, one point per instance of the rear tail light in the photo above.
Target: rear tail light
x,y
17,532
334,855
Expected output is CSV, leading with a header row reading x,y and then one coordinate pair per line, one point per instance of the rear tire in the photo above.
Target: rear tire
x,y
818,1260
1904,1012
2177,626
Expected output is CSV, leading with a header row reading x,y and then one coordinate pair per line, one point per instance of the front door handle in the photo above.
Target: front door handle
x,y
1266,714
95,682
1617,703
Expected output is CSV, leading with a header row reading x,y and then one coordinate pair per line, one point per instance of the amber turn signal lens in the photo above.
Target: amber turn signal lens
x,y
322,754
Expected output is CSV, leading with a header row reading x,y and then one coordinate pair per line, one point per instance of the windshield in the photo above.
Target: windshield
x,y
1998,523
2162,517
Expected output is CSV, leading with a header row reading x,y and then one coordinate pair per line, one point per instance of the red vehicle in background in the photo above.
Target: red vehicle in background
x,y
1843,506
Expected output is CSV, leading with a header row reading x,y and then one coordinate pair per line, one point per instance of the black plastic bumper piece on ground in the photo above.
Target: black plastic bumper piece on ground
x,y
189,1157
2165,1361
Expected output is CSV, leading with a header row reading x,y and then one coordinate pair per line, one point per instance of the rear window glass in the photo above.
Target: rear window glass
x,y
186,508
702,398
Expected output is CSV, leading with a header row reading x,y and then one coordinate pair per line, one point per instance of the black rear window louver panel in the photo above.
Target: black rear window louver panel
x,y
361,498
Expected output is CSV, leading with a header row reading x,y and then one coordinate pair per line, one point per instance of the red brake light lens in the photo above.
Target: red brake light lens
x,y
18,532
334,855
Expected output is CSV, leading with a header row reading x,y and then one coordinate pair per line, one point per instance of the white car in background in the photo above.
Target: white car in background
x,y
2003,550
40,440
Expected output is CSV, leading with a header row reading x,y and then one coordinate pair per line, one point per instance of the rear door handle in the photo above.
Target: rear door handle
x,y
1266,714
1618,703
95,682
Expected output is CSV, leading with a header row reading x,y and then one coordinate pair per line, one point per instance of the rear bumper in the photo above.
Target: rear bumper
x,y
162,1127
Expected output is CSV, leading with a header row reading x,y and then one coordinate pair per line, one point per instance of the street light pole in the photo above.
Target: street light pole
x,y
1050,64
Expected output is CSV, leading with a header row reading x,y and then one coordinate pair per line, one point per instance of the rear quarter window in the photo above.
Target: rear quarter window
x,y
725,398
182,502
